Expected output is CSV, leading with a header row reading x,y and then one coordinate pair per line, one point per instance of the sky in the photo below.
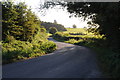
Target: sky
x,y
56,13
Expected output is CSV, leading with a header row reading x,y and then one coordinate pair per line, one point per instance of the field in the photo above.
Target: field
x,y
76,30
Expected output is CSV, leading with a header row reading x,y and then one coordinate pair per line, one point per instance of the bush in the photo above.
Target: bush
x,y
11,51
61,36
43,30
72,41
18,50
9,38
48,47
52,30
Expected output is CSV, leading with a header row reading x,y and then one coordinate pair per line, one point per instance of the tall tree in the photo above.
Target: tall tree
x,y
74,26
19,21
55,21
9,19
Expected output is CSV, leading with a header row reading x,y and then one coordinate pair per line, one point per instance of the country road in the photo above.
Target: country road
x,y
68,61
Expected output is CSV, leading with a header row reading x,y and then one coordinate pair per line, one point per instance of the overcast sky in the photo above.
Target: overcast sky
x,y
56,13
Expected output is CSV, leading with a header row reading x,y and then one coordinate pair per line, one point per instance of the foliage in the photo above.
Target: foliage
x,y
13,50
47,25
55,22
52,30
106,15
9,38
72,34
48,46
18,21
18,50
43,30
23,36
74,26
71,41
60,35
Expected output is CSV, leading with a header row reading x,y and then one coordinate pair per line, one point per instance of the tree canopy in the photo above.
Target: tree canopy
x,y
47,25
74,26
106,15
52,30
19,22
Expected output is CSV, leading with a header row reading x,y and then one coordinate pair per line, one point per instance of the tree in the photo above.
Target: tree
x,y
52,30
47,25
106,15
74,26
55,22
19,22
9,20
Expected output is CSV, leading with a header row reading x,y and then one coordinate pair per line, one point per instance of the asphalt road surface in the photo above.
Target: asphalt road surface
x,y
68,61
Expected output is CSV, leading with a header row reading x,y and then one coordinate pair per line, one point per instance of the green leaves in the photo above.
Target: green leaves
x,y
19,21
52,30
16,50
22,36
48,46
106,16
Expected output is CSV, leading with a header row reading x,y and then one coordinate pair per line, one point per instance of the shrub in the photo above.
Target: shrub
x,y
72,41
17,50
43,30
61,35
74,26
48,46
11,51
9,38
52,30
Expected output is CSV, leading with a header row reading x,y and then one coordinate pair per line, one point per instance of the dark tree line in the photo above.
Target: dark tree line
x,y
47,25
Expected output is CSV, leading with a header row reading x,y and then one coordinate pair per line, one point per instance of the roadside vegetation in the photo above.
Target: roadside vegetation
x,y
23,36
106,15
47,26
108,58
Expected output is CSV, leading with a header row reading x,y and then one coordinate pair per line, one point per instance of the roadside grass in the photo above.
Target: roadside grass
x,y
109,60
76,30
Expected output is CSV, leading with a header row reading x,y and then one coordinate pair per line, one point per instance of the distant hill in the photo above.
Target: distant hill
x,y
47,25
